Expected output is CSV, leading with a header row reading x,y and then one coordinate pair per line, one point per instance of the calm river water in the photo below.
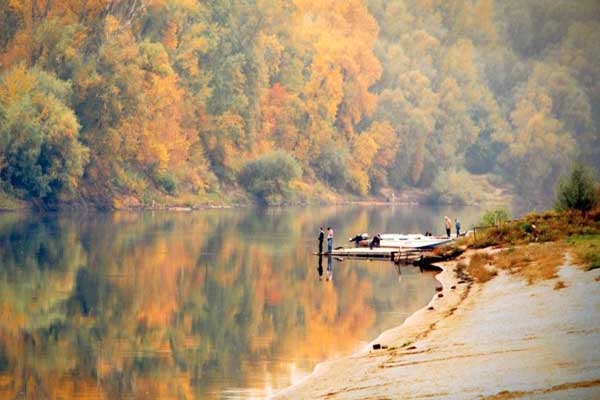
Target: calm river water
x,y
186,305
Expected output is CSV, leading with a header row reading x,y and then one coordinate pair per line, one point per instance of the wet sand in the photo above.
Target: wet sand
x,y
502,339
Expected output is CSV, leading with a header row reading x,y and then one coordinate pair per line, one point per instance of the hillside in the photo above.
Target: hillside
x,y
115,103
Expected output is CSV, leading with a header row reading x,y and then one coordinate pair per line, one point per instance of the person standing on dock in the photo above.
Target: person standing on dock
x,y
448,222
457,222
329,239
320,239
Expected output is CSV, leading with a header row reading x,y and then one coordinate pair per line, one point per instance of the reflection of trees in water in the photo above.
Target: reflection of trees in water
x,y
151,304
39,257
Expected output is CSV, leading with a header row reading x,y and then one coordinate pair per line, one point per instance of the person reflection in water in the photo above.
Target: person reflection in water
x,y
399,271
320,267
329,269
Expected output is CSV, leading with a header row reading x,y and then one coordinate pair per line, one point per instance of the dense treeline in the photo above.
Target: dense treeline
x,y
509,88
114,101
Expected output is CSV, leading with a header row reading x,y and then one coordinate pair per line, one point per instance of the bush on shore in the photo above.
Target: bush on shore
x,y
494,217
268,177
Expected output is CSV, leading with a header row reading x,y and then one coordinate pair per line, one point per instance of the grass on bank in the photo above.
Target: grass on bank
x,y
538,227
586,249
535,246
8,202
481,267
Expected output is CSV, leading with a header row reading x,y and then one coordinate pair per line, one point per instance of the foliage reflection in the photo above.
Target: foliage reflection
x,y
159,305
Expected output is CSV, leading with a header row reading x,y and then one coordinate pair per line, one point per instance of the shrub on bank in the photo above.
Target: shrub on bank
x,y
268,177
494,217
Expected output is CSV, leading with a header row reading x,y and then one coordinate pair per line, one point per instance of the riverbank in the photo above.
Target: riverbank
x,y
500,339
303,194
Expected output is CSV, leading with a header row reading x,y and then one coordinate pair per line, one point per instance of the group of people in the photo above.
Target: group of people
x,y
448,223
329,239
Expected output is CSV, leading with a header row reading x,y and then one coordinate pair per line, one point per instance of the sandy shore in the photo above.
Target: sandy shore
x,y
502,339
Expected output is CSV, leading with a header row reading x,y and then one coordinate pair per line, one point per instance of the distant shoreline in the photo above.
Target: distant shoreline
x,y
224,206
407,196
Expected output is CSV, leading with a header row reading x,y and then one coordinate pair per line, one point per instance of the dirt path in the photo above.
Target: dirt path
x,y
500,340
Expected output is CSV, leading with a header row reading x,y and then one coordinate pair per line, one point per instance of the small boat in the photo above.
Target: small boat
x,y
411,240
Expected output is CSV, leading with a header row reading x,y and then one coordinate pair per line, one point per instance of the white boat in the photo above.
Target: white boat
x,y
411,240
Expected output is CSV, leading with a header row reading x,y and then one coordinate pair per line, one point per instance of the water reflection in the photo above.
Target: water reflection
x,y
399,271
187,305
320,267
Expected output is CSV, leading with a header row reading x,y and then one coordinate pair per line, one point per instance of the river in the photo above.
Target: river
x,y
205,304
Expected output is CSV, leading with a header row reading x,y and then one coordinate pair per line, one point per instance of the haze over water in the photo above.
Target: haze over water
x,y
208,304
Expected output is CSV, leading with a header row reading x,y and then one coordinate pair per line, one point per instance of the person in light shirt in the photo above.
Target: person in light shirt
x,y
329,239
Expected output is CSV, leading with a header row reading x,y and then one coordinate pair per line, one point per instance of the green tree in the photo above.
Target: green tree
x,y
577,190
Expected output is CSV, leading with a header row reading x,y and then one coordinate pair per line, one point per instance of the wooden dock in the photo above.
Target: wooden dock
x,y
397,255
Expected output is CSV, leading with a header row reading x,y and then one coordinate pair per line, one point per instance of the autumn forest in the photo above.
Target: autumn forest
x,y
120,103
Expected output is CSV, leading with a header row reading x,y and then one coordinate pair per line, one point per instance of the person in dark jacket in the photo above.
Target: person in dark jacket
x,y
359,238
376,241
320,239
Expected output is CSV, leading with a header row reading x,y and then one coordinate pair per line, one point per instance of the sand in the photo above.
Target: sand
x,y
502,339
